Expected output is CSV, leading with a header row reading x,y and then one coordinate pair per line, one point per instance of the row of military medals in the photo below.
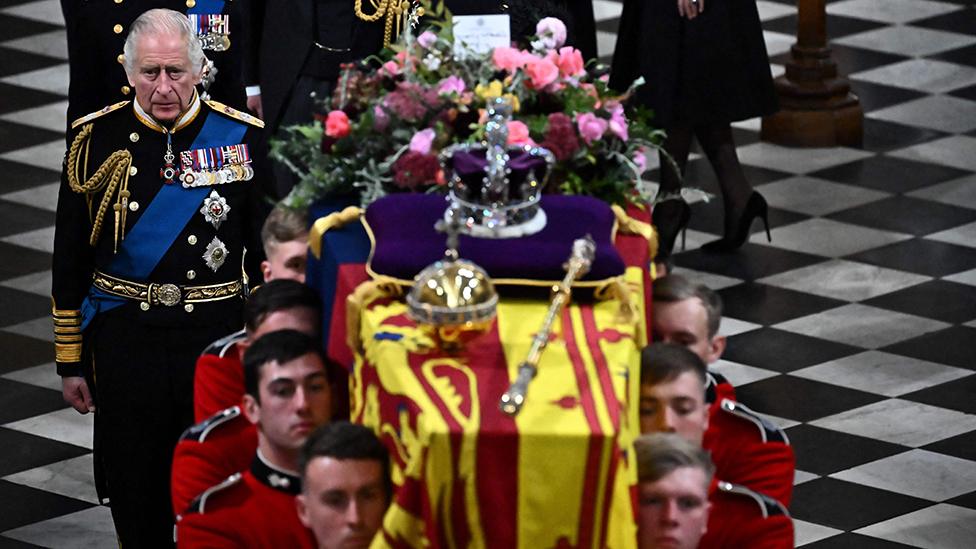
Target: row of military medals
x,y
213,30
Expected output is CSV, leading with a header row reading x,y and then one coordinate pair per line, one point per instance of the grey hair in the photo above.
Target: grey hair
x,y
163,21
658,454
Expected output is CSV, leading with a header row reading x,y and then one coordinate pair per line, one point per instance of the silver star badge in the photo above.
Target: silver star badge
x,y
216,254
215,209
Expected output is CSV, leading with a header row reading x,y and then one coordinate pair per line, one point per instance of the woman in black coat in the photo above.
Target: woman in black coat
x,y
704,68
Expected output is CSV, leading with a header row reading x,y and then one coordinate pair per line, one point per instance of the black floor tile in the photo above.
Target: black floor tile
x,y
22,306
855,541
906,215
965,93
699,173
824,452
851,60
961,446
849,506
17,176
16,98
961,21
884,136
953,346
710,218
608,25
837,26
878,96
18,261
938,299
21,401
750,262
965,500
19,136
886,173
8,543
783,351
13,27
801,399
16,61
763,304
22,505
24,451
961,56
958,394
20,218
921,256
29,352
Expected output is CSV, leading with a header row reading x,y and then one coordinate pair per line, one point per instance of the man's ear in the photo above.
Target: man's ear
x,y
266,270
716,346
302,510
251,408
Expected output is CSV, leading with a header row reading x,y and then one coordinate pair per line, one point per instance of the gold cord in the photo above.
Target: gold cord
x,y
394,10
107,177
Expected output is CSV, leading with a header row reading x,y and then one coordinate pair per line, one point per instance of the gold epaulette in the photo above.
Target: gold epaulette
x,y
234,113
67,334
99,112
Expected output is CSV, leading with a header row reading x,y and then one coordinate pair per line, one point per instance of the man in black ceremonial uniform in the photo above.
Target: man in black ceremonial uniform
x,y
157,206
96,30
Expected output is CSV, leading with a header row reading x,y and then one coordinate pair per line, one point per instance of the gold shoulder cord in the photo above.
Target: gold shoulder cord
x,y
111,176
394,10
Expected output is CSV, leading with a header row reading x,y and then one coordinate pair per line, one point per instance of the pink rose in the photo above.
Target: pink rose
x,y
451,84
422,140
590,126
518,133
551,32
380,119
391,68
509,59
337,125
427,39
570,62
618,122
541,72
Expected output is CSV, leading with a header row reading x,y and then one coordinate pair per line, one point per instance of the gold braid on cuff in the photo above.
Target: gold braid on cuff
x,y
67,334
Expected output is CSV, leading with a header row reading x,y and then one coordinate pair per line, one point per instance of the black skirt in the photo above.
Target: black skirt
x,y
711,69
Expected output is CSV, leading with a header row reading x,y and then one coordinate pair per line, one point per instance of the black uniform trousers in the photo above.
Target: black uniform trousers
x,y
143,381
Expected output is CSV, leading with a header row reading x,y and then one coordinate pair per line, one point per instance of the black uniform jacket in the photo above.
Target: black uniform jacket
x,y
202,246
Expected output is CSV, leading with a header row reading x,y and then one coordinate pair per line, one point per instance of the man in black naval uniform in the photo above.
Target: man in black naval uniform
x,y
96,30
157,207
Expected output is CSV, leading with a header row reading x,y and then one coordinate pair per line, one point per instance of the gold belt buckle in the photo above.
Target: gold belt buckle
x,y
167,294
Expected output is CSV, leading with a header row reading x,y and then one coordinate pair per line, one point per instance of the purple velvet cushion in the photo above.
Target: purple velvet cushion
x,y
405,240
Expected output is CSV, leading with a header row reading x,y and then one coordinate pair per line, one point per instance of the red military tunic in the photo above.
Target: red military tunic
x,y
717,388
749,450
254,509
210,452
742,518
218,382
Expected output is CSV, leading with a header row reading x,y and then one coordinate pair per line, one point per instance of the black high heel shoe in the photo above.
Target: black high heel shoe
x,y
670,218
755,207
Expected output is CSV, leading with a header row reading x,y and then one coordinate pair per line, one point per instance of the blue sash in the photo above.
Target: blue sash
x,y
207,6
162,221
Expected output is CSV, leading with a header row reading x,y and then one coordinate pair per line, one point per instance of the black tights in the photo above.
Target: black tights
x,y
716,141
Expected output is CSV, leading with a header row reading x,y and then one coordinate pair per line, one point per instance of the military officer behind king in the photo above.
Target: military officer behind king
x,y
158,225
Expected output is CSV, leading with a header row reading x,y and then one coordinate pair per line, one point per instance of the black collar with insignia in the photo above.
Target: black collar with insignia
x,y
274,477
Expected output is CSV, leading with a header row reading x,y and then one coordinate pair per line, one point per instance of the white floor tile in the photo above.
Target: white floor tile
x,y
813,196
73,478
45,11
927,75
917,473
741,374
40,239
773,10
882,373
900,422
52,79
955,151
846,280
965,277
964,235
65,425
603,10
807,532
910,41
732,326
605,43
776,42
957,192
35,283
868,327
937,112
797,161
50,117
39,328
712,280
799,477
88,529
941,526
828,238
44,375
41,196
51,44
48,156
890,11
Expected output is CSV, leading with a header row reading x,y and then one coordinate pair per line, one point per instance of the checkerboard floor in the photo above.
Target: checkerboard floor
x,y
854,328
